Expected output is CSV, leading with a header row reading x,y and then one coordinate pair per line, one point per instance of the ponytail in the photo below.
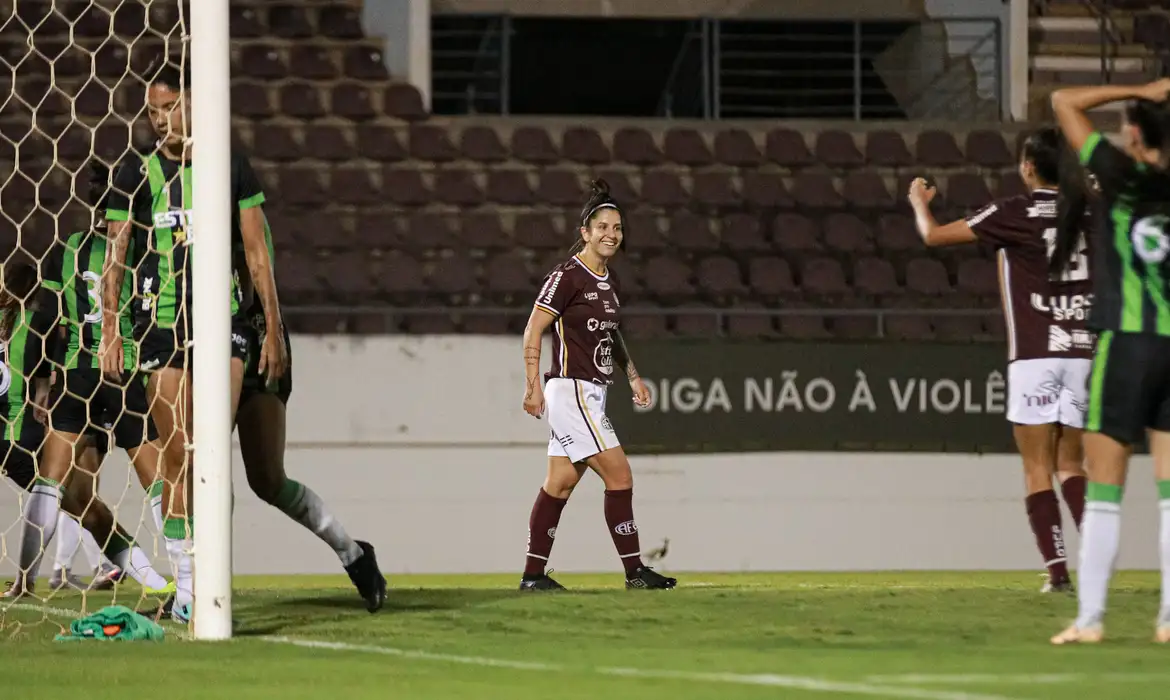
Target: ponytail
x,y
19,282
599,198
1072,205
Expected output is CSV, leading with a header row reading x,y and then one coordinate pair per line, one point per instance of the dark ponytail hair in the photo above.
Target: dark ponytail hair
x,y
98,187
1152,120
1043,149
20,281
599,198
164,71
1072,206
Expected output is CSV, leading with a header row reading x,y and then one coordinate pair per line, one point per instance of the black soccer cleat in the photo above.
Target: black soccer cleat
x,y
648,578
368,578
543,582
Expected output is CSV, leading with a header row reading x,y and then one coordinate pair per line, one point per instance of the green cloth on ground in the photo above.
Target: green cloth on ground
x,y
130,626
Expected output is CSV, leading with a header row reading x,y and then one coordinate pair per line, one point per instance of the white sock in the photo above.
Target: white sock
x,y
1100,540
68,540
179,553
93,553
156,505
303,505
136,564
1164,547
40,523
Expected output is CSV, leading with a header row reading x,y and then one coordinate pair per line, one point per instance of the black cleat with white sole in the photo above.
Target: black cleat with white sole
x,y
543,582
368,578
645,577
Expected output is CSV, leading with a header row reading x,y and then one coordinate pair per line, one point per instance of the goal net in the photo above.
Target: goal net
x,y
74,85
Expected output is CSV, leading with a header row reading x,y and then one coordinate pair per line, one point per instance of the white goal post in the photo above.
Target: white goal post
x,y
211,317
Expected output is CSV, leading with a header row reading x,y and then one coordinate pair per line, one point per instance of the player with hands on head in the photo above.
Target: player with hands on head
x,y
580,300
1129,386
1049,345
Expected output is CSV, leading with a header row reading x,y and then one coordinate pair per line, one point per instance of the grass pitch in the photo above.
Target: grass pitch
x,y
932,636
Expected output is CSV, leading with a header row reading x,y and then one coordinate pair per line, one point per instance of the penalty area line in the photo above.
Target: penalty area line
x,y
816,685
1017,678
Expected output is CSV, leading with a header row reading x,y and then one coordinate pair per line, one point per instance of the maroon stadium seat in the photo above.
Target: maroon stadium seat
x,y
538,231
743,323
668,279
720,278
875,277
897,234
900,327
482,144
938,149
289,21
363,63
432,230
619,184
277,143
644,232
957,328
766,191
796,235
695,322
987,149
662,188
636,146
354,184
715,189
353,101
736,147
400,278
1010,185
431,143
743,233
927,277
560,187
533,144
403,101
816,191
691,234
453,276
866,190
312,63
301,101
643,321
584,145
508,275
251,101
837,149
329,142
510,187
967,191
458,186
804,326
262,62
687,147
787,148
339,22
483,229
978,277
379,142
847,234
824,278
302,184
405,186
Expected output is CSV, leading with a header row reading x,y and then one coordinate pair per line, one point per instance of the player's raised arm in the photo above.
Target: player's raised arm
x,y
934,234
273,354
1071,106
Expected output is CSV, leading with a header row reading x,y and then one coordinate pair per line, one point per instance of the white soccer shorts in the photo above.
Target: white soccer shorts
x,y
576,416
1049,390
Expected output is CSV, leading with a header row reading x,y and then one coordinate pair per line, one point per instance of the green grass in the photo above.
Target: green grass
x,y
719,636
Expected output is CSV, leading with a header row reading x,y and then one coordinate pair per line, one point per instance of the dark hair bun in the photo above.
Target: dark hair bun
x,y
599,187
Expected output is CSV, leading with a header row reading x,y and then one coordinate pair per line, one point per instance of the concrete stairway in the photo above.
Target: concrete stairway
x,y
1065,43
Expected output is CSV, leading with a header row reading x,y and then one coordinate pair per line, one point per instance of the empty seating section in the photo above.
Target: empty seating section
x,y
374,203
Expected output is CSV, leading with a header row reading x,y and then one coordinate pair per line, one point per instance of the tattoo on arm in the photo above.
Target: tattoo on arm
x,y
622,355
114,269
532,369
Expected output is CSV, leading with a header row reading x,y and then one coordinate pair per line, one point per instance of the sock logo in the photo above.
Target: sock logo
x,y
626,528
552,533
1058,540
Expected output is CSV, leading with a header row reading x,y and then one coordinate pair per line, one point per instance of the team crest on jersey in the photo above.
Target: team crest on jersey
x,y
1149,239
603,286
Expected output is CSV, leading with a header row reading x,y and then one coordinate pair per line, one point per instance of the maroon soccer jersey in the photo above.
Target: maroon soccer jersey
x,y
1045,316
587,314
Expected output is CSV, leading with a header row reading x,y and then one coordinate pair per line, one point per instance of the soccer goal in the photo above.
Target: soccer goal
x,y
76,84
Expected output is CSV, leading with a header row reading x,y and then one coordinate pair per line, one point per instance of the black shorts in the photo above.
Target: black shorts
x,y
1129,388
19,459
254,382
167,347
86,403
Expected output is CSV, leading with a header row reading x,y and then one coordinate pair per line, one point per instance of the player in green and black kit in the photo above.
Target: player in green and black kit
x,y
152,201
1129,387
29,329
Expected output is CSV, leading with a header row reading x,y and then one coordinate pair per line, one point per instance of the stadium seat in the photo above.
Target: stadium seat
x,y
482,144
636,146
687,147
887,149
837,149
312,63
737,148
787,148
532,144
584,145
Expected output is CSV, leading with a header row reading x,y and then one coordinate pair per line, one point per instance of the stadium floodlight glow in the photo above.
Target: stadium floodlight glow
x,y
211,477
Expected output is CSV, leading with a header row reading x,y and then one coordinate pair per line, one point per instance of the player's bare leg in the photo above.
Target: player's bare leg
x,y
1107,461
563,476
261,423
42,507
613,467
170,408
147,463
1037,445
1070,470
1160,448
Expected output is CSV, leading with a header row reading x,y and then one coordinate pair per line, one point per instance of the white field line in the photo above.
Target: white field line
x,y
1017,678
797,682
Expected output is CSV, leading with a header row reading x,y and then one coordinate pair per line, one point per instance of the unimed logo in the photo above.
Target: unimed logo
x,y
550,287
626,528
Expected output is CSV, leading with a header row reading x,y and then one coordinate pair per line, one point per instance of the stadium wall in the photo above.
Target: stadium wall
x,y
419,445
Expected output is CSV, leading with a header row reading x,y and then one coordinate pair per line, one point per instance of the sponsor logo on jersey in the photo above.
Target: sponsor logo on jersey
x,y
1059,340
239,340
552,533
979,217
603,286
591,296
1149,239
603,355
1064,307
550,287
629,527
149,365
606,424
1042,210
608,309
594,325
180,219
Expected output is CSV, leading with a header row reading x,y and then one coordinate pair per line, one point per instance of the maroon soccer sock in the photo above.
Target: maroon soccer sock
x,y
619,516
542,529
1073,489
1044,516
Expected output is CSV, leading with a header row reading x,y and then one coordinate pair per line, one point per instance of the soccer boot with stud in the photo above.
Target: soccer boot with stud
x,y
368,578
107,578
14,590
543,582
1061,586
645,577
64,578
1091,634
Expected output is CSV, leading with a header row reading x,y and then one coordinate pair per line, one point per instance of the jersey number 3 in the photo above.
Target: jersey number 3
x,y
93,283
1078,265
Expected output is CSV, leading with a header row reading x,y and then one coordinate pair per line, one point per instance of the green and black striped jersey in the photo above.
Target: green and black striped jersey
x,y
1131,243
25,357
155,193
74,270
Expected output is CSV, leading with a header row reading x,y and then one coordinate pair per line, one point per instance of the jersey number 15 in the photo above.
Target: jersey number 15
x,y
1077,269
